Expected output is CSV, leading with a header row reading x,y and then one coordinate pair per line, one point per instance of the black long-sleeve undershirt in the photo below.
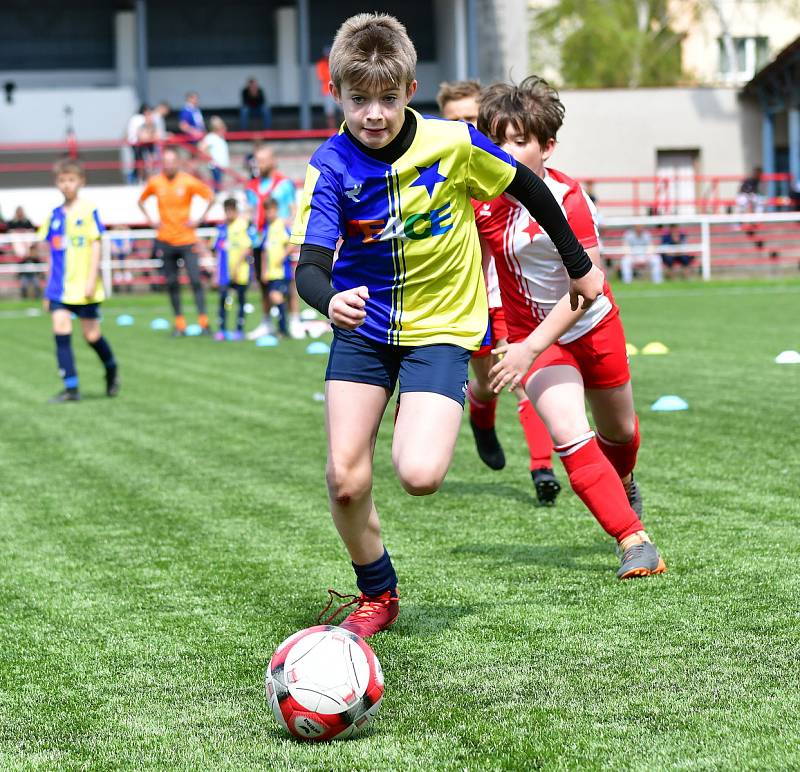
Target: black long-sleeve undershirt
x,y
313,276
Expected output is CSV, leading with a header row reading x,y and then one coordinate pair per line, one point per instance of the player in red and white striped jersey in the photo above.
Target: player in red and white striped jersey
x,y
558,354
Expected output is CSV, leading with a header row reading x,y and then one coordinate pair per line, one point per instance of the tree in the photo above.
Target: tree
x,y
612,43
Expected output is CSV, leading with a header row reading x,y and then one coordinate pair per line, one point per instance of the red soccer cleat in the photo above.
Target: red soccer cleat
x,y
370,616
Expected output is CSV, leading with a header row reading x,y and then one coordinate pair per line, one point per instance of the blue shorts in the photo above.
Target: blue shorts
x,y
278,285
82,311
440,368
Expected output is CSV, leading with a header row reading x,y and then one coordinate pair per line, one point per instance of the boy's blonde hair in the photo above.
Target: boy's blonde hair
x,y
533,108
217,124
452,91
69,166
372,51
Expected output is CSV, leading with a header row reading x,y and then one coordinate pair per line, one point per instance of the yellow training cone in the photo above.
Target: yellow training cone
x,y
631,349
655,348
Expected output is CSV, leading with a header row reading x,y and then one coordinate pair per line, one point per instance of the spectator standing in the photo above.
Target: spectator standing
x,y
254,105
329,105
190,120
638,253
137,126
28,277
176,238
160,114
216,146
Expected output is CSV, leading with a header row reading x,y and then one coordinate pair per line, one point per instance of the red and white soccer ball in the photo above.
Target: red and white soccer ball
x,y
324,683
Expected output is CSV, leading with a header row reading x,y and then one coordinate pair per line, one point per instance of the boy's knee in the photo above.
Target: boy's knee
x,y
347,482
419,479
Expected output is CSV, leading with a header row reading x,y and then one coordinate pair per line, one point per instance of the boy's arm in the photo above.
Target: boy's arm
x,y
586,279
94,268
518,357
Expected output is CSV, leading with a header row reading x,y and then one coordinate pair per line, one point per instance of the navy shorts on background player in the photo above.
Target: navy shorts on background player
x,y
440,368
87,311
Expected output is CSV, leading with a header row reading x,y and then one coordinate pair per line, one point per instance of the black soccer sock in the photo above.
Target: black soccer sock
x,y
103,350
375,578
66,361
223,313
282,326
241,292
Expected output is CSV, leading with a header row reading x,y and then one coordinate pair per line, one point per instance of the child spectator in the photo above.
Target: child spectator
x,y
277,248
215,145
234,248
72,232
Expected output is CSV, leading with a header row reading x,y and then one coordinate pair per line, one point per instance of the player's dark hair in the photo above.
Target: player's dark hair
x,y
230,203
533,108
269,203
69,166
452,91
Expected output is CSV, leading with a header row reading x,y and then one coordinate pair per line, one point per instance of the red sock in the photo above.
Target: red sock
x,y
597,484
481,413
622,455
540,446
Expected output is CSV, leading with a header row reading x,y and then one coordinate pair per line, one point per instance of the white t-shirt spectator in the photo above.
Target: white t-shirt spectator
x,y
217,148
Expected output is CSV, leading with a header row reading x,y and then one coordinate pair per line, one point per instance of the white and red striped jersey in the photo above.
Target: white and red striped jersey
x,y
493,285
531,275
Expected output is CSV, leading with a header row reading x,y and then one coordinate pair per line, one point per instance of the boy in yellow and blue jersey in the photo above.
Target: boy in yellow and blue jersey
x,y
234,248
72,233
277,247
406,294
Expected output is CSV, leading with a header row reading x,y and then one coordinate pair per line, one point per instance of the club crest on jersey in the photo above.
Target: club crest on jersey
x,y
354,192
412,228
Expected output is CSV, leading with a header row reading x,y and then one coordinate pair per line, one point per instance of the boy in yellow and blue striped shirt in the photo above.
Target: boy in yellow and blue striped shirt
x,y
72,232
405,295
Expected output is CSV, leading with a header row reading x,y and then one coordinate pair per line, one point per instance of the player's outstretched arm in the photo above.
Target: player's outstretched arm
x,y
586,279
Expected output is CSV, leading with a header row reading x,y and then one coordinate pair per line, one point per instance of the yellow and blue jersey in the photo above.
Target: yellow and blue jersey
x,y
276,240
233,243
71,234
408,230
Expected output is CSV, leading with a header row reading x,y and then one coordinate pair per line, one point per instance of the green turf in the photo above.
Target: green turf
x,y
157,547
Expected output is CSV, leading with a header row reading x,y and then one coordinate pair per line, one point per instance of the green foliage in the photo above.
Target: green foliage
x,y
612,43
157,547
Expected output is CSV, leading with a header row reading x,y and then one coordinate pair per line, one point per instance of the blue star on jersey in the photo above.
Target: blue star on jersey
x,y
429,177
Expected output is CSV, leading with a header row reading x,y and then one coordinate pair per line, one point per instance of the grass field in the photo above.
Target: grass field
x,y
157,547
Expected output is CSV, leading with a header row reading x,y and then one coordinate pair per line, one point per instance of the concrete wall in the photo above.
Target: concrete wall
x,y
37,115
618,132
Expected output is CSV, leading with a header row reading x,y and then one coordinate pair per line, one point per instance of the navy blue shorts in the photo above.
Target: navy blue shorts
x,y
87,311
278,285
440,368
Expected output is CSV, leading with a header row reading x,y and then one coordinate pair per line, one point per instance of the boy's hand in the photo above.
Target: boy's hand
x,y
90,288
347,309
589,287
45,304
517,359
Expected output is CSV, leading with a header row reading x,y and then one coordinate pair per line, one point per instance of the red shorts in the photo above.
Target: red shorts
x,y
496,331
599,356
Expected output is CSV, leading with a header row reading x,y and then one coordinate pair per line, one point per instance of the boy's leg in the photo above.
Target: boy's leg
x,y
558,395
618,434
353,415
482,410
424,440
278,299
241,296
62,332
94,337
540,450
222,313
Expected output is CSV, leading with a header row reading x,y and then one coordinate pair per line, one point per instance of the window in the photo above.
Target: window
x,y
751,54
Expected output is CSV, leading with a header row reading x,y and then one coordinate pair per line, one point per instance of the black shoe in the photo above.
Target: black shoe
x,y
547,487
112,382
206,332
489,448
68,395
176,333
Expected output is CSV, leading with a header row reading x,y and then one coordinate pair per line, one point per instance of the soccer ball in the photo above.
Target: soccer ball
x,y
324,683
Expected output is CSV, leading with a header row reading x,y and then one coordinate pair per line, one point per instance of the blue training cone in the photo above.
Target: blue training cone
x,y
124,320
159,324
266,341
193,330
317,347
669,404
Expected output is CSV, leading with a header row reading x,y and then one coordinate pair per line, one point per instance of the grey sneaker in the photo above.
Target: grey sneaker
x,y
641,560
635,497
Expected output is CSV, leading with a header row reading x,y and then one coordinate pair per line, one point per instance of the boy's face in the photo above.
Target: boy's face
x,y
69,183
270,213
374,116
527,150
465,109
230,213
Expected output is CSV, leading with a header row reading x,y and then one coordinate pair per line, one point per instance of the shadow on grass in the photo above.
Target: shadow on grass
x,y
495,490
570,558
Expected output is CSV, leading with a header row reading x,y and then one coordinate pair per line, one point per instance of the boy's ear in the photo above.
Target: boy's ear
x,y
412,89
335,93
549,148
